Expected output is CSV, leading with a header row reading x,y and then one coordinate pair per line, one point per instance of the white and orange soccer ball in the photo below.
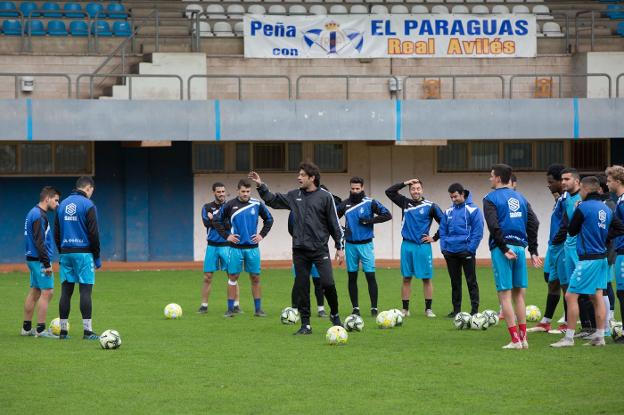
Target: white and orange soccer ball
x,y
55,326
385,320
173,311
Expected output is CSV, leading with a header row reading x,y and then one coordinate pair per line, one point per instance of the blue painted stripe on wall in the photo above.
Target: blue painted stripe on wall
x,y
576,117
398,120
217,120
29,120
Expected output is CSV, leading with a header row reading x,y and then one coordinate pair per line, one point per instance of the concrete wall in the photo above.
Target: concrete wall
x,y
380,166
611,63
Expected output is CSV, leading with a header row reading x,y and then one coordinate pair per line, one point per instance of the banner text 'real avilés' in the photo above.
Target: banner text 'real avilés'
x,y
390,36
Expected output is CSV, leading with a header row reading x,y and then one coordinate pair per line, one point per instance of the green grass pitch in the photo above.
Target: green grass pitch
x,y
209,364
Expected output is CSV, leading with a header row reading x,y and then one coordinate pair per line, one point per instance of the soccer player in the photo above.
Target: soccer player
x,y
554,260
218,249
461,232
39,250
237,222
417,213
595,223
513,226
607,291
78,241
615,181
314,220
361,213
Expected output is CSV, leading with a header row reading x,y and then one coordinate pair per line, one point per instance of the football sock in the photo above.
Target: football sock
x,y
230,304
600,333
513,332
40,327
204,305
85,300
605,298
257,304
64,325
27,326
552,300
406,304
320,308
332,298
373,290
353,288
428,302
86,325
569,334
522,328
236,303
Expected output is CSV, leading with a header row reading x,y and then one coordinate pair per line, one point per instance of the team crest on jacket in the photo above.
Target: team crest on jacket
x,y
514,206
70,209
602,216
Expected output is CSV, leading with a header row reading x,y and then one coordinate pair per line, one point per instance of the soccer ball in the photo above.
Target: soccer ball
x,y
110,339
617,333
55,326
462,321
354,323
289,315
173,311
398,316
385,320
533,313
336,336
492,317
479,322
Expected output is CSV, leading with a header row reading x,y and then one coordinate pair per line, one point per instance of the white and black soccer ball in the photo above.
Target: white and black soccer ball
x,y
398,316
385,320
492,317
354,323
289,316
173,311
617,333
336,336
479,322
533,313
462,321
110,339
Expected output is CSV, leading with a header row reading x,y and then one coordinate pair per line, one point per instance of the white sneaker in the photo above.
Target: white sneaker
x,y
596,341
525,343
26,333
429,313
406,313
564,342
514,346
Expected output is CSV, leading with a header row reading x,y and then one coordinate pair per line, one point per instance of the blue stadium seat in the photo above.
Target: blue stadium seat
x,y
79,28
12,27
34,28
620,29
116,11
52,9
68,8
26,8
8,9
122,29
95,8
57,28
102,28
615,11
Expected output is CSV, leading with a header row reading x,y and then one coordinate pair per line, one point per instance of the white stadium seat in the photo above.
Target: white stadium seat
x,y
495,1
460,9
395,1
379,9
256,9
215,11
552,29
542,12
480,9
500,9
222,29
373,1
414,1
234,10
439,9
454,1
292,1
520,9
359,9
204,29
313,1
297,9
474,1
318,10
399,9
338,9
420,9
354,1
277,9
434,1
332,1
514,1
239,29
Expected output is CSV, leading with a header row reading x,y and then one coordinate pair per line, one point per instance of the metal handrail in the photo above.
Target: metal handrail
x,y
577,29
130,76
347,79
239,79
617,84
558,76
453,81
17,75
566,38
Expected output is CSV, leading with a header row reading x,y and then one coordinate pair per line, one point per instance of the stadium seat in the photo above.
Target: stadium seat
x,y
379,9
552,29
78,29
27,8
474,1
192,9
215,11
52,9
204,29
101,28
434,1
500,9
414,1
338,9
57,28
239,28
235,11
34,28
615,11
535,1
399,9
122,29
439,9
460,9
520,9
71,9
480,9
373,1
222,29
95,9
495,1
542,12
297,9
256,9
354,1
277,9
620,29
332,1
454,1
514,1
419,9
396,1
12,27
8,9
320,10
116,11
313,1
291,1
358,9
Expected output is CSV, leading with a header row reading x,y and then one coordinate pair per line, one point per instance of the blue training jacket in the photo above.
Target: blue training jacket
x,y
591,222
361,213
555,219
462,227
619,213
242,219
76,225
212,236
38,239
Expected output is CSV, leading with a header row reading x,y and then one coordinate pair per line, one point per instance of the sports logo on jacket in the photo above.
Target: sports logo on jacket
x,y
70,212
514,206
253,211
602,217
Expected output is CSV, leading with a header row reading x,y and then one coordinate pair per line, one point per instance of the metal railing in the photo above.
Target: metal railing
x,y
617,84
453,81
92,76
559,76
347,79
578,29
18,75
239,79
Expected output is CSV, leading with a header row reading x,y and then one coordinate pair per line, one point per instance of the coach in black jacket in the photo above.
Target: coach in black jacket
x,y
314,221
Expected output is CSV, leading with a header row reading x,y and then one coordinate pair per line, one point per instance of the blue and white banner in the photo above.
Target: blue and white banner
x,y
390,36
